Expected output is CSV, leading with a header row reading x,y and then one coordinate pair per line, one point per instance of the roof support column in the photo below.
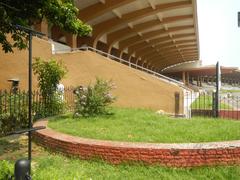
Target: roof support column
x,y
207,79
147,66
198,81
42,27
184,77
187,78
192,79
109,49
121,54
143,64
212,79
129,60
71,40
137,61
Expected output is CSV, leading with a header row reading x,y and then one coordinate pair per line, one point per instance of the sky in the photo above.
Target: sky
x,y
219,34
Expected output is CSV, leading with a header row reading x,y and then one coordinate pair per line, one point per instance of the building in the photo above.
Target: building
x,y
153,33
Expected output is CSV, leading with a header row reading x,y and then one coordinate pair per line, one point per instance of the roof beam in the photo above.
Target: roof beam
x,y
152,4
150,35
121,34
161,46
102,1
111,24
89,13
184,50
153,60
173,61
179,42
177,36
117,13
156,41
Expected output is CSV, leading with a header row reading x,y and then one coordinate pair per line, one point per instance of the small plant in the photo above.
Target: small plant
x,y
6,170
93,100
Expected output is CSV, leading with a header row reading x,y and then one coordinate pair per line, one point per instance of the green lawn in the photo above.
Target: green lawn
x,y
56,167
205,102
141,125
230,91
49,166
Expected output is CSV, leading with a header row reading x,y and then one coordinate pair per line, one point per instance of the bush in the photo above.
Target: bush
x,y
6,170
49,74
93,100
14,115
12,122
52,106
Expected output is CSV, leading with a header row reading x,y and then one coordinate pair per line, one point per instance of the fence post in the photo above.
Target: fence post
x,y
177,99
213,104
218,84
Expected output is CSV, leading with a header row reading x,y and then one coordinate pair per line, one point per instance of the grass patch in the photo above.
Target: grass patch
x,y
59,167
141,125
205,102
46,165
230,91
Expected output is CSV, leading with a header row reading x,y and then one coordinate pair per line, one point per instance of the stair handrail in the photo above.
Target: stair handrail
x,y
130,64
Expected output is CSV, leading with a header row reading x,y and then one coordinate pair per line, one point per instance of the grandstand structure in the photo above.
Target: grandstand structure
x,y
195,72
153,36
152,33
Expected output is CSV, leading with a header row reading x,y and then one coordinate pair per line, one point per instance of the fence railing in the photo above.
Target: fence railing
x,y
14,107
203,104
128,63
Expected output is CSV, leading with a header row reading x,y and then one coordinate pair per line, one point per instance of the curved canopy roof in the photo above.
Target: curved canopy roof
x,y
158,32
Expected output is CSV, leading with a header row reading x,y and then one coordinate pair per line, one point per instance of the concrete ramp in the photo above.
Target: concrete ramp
x,y
134,88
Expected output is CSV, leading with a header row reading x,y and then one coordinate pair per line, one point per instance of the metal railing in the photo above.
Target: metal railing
x,y
130,64
14,107
204,104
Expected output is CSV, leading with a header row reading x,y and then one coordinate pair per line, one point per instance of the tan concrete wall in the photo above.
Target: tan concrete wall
x,y
134,88
15,65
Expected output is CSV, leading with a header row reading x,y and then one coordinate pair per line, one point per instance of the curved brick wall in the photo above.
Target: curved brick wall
x,y
174,155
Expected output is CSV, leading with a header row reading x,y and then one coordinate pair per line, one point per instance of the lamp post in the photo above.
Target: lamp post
x,y
30,33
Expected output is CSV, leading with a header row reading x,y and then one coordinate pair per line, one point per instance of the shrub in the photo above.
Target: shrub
x,y
12,122
6,170
14,115
49,74
52,106
93,100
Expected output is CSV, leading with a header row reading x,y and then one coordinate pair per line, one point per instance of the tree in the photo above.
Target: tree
x,y
61,13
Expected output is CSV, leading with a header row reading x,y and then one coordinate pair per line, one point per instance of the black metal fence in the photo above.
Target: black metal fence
x,y
204,104
14,107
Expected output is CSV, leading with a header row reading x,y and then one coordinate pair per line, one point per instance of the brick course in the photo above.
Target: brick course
x,y
172,155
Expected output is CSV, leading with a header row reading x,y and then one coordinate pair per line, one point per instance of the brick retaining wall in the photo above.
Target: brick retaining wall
x,y
173,155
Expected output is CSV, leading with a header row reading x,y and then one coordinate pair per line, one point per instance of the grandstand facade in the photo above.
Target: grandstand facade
x,y
152,33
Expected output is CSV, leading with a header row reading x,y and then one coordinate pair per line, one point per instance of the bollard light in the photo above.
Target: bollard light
x,y
22,169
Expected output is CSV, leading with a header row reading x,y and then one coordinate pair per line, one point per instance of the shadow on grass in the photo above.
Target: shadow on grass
x,y
12,147
108,115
